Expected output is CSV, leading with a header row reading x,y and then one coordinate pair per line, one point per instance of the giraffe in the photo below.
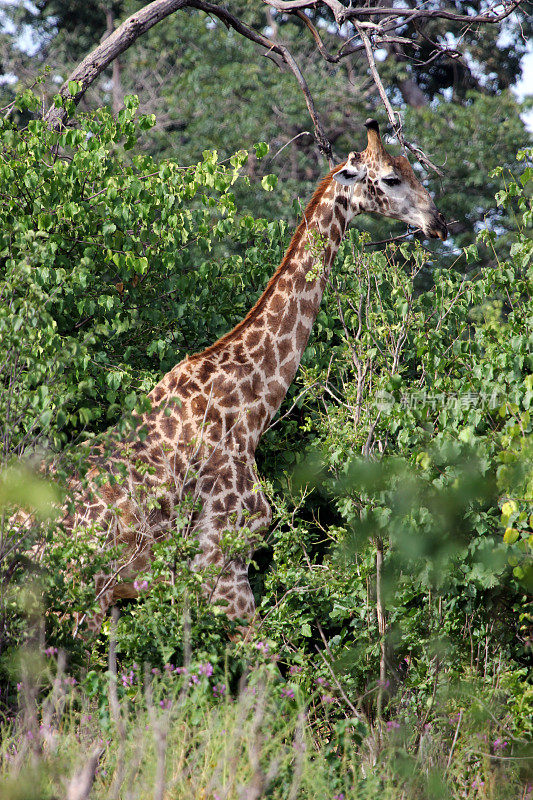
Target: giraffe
x,y
209,412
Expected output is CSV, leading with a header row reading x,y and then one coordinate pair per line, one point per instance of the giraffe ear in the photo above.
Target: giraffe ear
x,y
350,174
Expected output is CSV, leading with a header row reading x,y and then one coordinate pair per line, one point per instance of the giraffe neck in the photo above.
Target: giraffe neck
x,y
271,339
232,389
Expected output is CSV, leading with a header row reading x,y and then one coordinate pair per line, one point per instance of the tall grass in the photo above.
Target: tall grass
x,y
181,735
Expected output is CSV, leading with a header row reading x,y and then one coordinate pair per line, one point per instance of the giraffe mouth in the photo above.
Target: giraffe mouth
x,y
438,229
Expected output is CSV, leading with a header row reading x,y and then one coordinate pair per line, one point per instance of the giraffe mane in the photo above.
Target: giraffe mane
x,y
295,241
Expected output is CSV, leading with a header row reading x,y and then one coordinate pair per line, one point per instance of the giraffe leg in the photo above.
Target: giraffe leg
x,y
238,506
104,592
232,591
108,592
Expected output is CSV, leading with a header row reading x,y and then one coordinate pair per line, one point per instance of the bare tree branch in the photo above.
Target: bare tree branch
x,y
316,36
139,23
392,115
118,42
343,13
336,8
230,20
370,33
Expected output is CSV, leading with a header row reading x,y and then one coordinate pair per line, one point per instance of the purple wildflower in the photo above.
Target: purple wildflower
x,y
327,698
294,670
499,744
169,667
166,703
206,669
262,646
140,586
127,679
392,724
50,651
219,689
287,692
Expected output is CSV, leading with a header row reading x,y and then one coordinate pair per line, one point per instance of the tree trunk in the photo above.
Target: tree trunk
x,y
412,94
114,45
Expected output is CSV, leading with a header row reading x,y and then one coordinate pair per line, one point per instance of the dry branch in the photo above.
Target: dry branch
x,y
374,26
374,34
343,13
139,23
114,45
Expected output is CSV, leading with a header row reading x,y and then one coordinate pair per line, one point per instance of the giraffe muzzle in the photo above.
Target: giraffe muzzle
x,y
438,229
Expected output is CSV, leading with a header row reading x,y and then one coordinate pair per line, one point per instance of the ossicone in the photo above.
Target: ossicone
x,y
374,139
372,125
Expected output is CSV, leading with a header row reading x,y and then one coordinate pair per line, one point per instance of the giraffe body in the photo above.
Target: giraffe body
x,y
209,412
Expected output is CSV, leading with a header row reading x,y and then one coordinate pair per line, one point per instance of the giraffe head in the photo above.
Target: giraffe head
x,y
385,184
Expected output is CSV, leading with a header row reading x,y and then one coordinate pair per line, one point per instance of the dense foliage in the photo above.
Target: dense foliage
x,y
209,88
408,571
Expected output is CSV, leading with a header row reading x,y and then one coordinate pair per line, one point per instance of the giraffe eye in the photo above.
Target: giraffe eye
x,y
392,181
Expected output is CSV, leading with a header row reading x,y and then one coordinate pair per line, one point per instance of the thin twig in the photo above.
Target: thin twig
x,y
393,116
115,709
343,694
302,133
343,13
452,748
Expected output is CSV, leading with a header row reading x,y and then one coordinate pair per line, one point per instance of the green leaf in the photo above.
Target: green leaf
x,y
269,182
147,121
261,149
510,536
108,228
